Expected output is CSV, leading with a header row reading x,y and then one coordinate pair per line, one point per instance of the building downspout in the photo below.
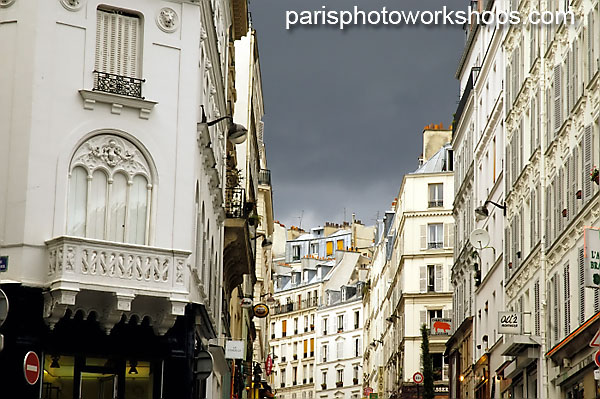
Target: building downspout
x,y
543,381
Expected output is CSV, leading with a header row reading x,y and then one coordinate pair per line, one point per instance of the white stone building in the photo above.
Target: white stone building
x,y
112,193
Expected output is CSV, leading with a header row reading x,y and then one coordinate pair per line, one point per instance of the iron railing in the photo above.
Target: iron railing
x,y
117,84
293,306
465,97
234,202
264,177
435,245
435,204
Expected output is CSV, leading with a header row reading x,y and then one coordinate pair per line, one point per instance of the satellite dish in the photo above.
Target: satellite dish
x,y
479,238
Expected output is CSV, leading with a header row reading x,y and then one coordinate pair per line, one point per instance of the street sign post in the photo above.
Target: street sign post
x,y
418,377
31,368
204,365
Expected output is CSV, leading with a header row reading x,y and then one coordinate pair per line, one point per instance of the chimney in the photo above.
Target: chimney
x,y
434,139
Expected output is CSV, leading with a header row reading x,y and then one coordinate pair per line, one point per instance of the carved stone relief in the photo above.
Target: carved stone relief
x,y
167,20
6,3
72,5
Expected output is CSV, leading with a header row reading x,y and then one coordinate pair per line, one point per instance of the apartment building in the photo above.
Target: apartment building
x,y
552,112
474,351
125,244
409,277
309,292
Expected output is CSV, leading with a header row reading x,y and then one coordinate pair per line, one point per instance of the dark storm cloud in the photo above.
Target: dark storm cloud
x,y
345,109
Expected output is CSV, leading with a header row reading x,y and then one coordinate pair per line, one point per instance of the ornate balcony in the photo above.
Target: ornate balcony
x,y
238,255
117,84
115,279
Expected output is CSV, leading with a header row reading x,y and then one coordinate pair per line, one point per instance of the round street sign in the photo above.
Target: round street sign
x,y
418,377
3,307
204,365
597,358
260,310
31,367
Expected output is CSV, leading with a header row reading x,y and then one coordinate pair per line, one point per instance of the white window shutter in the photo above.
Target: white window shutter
x,y
345,322
447,229
568,98
587,163
591,39
117,43
422,278
581,285
557,97
422,318
568,166
574,182
423,236
559,197
438,278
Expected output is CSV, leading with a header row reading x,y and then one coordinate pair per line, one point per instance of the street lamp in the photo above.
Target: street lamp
x,y
236,133
266,242
391,318
481,212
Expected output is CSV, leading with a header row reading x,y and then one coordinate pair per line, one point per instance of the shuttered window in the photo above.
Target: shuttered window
x,y
581,284
117,43
329,246
536,309
567,295
587,163
557,97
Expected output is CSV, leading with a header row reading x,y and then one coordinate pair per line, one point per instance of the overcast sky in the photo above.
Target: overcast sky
x,y
345,110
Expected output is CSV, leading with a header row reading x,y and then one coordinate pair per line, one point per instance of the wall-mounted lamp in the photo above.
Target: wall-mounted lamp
x,y
236,133
266,242
133,367
391,318
481,212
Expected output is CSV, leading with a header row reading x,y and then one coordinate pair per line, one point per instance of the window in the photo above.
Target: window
x,y
282,378
340,323
312,318
304,374
314,249
296,252
438,366
431,278
324,322
340,245
324,378
295,325
435,236
305,348
283,352
340,349
283,328
356,319
329,247
117,58
324,353
312,347
294,375
306,322
340,376
118,206
355,374
295,350
436,195
273,329
357,347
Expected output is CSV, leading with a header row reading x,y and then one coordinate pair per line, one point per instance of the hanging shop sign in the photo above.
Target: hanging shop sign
x,y
246,303
234,350
440,326
3,263
510,323
591,239
269,365
204,365
260,310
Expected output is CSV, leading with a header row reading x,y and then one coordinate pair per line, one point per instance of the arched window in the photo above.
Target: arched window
x,y
110,187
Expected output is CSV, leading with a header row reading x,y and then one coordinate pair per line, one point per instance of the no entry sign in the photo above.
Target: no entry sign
x,y
31,368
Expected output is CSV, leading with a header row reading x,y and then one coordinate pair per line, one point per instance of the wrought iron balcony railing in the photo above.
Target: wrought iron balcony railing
x,y
117,84
234,202
264,177
293,306
436,203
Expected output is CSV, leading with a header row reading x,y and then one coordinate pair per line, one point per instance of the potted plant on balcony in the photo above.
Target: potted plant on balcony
x,y
339,384
355,381
323,386
595,175
254,219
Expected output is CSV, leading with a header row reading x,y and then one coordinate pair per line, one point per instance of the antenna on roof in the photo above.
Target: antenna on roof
x,y
300,219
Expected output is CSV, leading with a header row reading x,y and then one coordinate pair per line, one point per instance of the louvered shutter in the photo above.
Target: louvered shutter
x,y
574,183
581,284
517,66
587,163
556,198
575,70
423,318
422,278
448,235
508,87
340,349
532,114
438,278
568,97
548,119
591,46
548,218
555,300
559,201
532,215
567,294
423,236
557,97
536,307
570,196
508,168
117,43
538,126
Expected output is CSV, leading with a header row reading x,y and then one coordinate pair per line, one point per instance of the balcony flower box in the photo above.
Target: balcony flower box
x,y
323,386
339,384
355,381
295,357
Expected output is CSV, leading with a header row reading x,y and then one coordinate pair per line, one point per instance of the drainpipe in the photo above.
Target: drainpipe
x,y
544,389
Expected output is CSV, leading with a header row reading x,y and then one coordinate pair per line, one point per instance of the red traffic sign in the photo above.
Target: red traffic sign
x,y
595,342
418,377
367,391
31,368
597,358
